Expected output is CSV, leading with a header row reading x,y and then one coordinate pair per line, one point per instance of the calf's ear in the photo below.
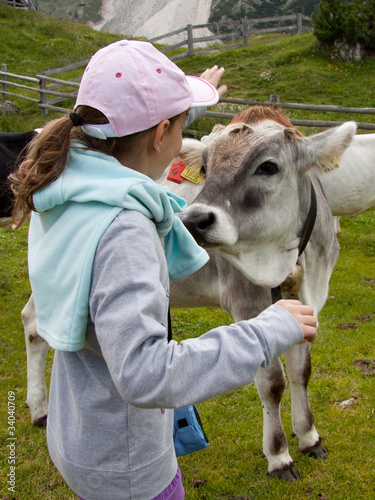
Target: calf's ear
x,y
321,149
191,152
217,127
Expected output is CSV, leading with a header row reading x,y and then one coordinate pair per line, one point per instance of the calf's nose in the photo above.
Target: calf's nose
x,y
198,224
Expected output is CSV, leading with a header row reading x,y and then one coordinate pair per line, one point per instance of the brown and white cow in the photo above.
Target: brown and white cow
x,y
250,213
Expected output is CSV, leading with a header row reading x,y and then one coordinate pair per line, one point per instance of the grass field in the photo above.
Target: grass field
x,y
232,467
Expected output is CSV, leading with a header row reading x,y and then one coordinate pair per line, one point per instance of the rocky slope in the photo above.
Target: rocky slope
x,y
150,18
137,18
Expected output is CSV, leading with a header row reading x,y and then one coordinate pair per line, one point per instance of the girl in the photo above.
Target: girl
x,y
100,278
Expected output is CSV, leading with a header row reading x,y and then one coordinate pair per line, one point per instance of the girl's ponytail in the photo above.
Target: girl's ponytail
x,y
45,161
47,157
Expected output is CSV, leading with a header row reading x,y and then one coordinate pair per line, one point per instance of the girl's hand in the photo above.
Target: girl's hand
x,y
213,76
304,316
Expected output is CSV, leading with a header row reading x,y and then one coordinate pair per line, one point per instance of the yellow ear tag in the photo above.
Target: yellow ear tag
x,y
192,174
334,163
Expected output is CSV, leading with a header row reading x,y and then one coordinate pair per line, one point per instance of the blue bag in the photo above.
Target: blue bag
x,y
188,433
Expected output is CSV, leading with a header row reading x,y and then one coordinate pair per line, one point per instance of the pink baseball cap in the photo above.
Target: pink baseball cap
x,y
136,87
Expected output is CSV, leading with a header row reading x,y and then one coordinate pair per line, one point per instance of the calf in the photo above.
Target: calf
x,y
251,213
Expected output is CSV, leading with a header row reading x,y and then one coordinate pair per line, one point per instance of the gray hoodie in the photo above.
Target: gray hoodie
x,y
107,433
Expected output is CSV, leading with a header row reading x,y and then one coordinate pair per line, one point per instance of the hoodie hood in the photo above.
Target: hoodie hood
x,y
73,213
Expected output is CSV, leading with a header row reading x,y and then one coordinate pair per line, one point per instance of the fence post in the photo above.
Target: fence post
x,y
245,33
250,27
190,39
3,82
299,24
217,27
43,96
274,99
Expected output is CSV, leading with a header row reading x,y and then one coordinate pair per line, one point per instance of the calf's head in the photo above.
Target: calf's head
x,y
255,200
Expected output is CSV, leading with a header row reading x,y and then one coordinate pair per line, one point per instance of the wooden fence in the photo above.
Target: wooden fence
x,y
275,101
22,4
238,31
45,85
49,84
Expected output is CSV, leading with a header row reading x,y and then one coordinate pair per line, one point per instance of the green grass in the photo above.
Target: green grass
x,y
232,466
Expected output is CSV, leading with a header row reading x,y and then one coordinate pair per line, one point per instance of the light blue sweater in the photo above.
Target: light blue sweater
x,y
73,214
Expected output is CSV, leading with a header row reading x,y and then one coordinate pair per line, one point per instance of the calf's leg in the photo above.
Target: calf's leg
x,y
36,353
298,363
270,383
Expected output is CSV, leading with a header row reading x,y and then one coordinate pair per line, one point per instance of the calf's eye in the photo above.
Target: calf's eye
x,y
267,168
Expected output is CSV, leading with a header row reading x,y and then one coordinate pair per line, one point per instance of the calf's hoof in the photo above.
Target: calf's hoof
x,y
287,473
38,418
40,422
316,451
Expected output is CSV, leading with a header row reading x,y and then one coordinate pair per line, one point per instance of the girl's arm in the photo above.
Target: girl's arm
x,y
129,304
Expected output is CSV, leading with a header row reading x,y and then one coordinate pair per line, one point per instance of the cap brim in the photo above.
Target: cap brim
x,y
204,94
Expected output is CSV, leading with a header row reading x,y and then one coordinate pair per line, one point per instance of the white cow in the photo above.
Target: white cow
x,y
350,189
251,213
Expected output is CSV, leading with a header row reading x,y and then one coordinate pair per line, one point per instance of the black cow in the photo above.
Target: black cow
x,y
12,146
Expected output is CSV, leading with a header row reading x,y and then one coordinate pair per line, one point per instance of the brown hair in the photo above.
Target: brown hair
x,y
48,155
256,114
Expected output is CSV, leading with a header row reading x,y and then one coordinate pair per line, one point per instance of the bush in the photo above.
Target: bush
x,y
351,23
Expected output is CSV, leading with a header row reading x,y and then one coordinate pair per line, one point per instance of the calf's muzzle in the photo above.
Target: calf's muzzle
x,y
198,224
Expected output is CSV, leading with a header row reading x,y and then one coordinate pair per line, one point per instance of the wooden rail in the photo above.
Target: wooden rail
x,y
46,104
22,4
41,87
238,31
275,101
44,90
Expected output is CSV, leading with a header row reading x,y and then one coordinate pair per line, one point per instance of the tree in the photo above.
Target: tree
x,y
346,22
305,7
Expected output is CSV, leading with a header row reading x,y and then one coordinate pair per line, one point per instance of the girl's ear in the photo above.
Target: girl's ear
x,y
159,135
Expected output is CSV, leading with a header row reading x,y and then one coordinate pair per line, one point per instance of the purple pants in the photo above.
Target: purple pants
x,y
174,491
